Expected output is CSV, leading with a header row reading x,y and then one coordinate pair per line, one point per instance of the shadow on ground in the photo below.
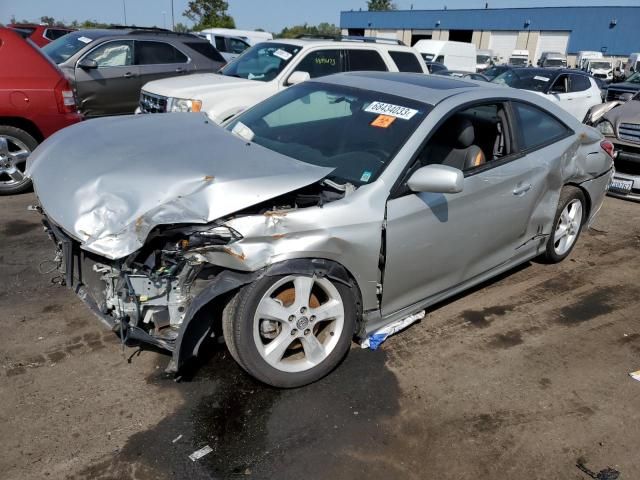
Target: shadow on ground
x,y
260,431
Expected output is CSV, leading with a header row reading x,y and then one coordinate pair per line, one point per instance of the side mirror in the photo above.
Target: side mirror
x,y
436,179
298,77
87,64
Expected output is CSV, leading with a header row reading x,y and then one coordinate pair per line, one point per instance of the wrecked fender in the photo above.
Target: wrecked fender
x,y
196,328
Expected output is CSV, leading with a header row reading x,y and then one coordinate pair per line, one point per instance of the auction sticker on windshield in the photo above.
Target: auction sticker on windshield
x,y
391,110
542,79
284,55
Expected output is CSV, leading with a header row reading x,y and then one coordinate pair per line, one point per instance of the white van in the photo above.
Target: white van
x,y
633,64
584,56
484,59
454,55
229,47
250,36
519,58
600,68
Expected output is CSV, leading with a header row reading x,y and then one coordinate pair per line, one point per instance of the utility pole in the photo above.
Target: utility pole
x,y
173,20
124,9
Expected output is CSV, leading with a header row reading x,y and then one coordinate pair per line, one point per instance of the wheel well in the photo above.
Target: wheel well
x,y
24,124
587,198
202,319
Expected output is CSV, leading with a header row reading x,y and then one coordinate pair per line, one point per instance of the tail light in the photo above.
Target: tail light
x,y
65,97
608,147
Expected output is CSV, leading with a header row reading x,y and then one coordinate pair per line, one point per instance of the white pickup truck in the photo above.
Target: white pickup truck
x,y
269,67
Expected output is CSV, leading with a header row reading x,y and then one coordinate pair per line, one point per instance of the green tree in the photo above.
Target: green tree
x,y
48,20
181,27
208,14
380,5
324,29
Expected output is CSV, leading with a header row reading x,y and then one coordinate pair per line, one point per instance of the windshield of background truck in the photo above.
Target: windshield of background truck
x,y
600,65
518,61
262,62
483,59
553,62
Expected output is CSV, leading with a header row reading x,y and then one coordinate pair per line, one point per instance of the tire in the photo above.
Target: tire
x,y
13,160
567,225
283,340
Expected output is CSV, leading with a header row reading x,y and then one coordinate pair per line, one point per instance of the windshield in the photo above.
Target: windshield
x,y
66,46
493,72
526,79
356,132
517,61
553,62
483,59
262,62
601,65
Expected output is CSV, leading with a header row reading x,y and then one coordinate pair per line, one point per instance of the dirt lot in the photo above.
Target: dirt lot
x,y
518,379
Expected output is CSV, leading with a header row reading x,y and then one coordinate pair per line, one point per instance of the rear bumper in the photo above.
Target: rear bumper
x,y
50,124
597,190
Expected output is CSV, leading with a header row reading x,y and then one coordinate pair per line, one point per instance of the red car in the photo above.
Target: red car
x,y
35,101
40,34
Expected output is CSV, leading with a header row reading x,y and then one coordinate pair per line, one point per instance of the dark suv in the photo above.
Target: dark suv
x,y
108,67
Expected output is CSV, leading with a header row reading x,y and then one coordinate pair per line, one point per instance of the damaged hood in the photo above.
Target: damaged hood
x,y
627,112
108,182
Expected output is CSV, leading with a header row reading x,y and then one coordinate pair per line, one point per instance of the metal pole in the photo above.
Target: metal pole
x,y
173,21
124,9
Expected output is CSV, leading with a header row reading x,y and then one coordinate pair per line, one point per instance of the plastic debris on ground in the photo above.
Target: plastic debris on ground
x,y
198,454
177,438
635,375
374,340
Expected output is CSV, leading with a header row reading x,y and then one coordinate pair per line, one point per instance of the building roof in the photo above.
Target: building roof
x,y
592,28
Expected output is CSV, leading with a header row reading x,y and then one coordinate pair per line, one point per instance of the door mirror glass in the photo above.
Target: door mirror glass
x,y
87,64
436,179
298,77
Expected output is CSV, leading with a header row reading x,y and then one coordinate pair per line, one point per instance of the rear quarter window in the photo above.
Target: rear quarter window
x,y
537,127
206,49
406,62
366,60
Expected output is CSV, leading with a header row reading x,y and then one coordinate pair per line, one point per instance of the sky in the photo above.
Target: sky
x,y
271,15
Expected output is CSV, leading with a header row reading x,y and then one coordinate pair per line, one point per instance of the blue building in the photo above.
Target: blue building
x,y
614,31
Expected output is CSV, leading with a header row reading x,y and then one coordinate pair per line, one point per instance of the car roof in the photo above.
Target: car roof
x,y
430,89
97,33
345,43
553,71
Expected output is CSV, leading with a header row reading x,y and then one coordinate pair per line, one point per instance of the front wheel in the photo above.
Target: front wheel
x,y
567,224
290,330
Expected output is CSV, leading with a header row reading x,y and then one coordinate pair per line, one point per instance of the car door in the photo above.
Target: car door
x,y
559,92
157,59
110,86
435,242
584,94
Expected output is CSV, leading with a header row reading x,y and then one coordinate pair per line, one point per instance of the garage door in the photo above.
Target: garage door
x,y
503,44
551,42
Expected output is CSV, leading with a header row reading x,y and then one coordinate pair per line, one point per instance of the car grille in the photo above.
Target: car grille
x,y
150,103
613,94
629,132
600,75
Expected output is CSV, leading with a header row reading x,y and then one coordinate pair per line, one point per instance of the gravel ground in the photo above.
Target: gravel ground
x,y
520,378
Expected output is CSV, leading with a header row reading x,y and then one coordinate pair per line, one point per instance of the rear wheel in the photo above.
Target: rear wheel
x,y
567,224
15,147
290,330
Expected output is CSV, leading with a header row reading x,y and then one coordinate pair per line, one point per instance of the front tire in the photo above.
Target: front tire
x,y
567,224
290,330
15,146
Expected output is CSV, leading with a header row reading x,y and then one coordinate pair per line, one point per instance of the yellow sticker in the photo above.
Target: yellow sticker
x,y
383,121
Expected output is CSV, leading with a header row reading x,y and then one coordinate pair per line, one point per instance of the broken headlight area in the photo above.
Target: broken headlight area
x,y
145,296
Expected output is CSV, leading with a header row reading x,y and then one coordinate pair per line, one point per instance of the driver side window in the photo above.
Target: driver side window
x,y
321,63
561,85
113,54
470,138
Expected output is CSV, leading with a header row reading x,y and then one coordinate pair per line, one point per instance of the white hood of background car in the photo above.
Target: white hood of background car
x,y
201,86
108,182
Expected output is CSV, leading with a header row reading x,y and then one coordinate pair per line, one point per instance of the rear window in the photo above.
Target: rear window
x,y
579,83
406,62
366,60
207,50
55,33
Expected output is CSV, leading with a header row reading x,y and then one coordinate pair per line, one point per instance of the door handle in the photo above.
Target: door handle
x,y
128,75
521,189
